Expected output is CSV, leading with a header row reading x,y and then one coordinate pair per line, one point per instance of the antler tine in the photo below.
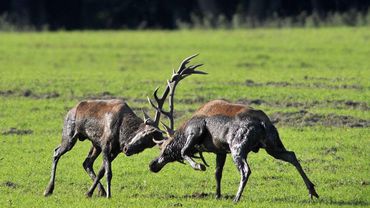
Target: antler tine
x,y
160,102
191,70
182,72
184,62
147,118
172,87
152,104
155,94
169,130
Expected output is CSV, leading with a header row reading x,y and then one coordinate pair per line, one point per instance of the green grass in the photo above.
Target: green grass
x,y
319,65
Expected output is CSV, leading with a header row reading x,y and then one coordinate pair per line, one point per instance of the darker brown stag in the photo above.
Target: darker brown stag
x,y
222,127
112,127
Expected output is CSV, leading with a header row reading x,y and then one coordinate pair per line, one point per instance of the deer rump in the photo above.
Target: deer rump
x,y
222,123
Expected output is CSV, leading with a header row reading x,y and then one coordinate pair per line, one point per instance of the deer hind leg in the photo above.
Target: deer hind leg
x,y
239,158
104,169
290,157
69,138
88,166
220,162
240,145
67,144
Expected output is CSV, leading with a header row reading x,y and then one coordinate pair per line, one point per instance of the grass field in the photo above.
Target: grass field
x,y
315,83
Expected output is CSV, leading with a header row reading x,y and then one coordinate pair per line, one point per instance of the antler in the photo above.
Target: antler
x,y
158,107
182,72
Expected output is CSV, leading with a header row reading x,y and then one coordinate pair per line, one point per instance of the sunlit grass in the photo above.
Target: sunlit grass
x,y
327,67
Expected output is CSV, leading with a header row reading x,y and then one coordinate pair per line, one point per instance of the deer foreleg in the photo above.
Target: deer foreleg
x,y
96,181
186,151
101,172
88,166
202,158
220,161
193,164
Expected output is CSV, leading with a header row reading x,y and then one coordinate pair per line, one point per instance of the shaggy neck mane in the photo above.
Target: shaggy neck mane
x,y
173,148
129,127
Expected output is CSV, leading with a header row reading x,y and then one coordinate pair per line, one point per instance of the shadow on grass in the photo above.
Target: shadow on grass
x,y
287,199
327,201
202,195
293,200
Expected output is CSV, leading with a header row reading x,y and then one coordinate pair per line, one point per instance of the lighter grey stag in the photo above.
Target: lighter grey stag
x,y
112,127
222,127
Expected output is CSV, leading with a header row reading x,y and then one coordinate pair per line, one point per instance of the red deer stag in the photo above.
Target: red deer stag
x,y
112,127
222,127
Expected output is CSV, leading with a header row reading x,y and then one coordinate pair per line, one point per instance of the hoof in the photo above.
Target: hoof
x,y
218,196
201,167
47,193
312,194
88,195
236,200
102,193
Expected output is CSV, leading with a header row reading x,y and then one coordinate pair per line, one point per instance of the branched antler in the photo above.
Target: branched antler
x,y
182,72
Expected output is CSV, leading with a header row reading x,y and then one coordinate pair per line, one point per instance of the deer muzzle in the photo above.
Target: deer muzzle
x,y
155,166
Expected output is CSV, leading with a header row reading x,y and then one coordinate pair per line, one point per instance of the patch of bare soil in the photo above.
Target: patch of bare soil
x,y
140,100
202,195
29,94
197,195
251,83
10,184
15,131
6,93
337,104
102,95
329,150
196,99
331,79
252,102
249,65
304,118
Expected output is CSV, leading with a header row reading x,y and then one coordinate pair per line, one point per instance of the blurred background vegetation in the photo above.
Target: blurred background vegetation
x,y
179,14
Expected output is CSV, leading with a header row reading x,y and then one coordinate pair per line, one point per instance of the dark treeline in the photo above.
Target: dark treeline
x,y
166,14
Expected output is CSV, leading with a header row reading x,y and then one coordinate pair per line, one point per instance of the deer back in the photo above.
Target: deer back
x,y
100,120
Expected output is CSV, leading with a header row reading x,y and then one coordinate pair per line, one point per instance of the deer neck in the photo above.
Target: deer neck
x,y
176,145
129,126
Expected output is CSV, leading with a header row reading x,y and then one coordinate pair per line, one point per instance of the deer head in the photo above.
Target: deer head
x,y
172,154
148,135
